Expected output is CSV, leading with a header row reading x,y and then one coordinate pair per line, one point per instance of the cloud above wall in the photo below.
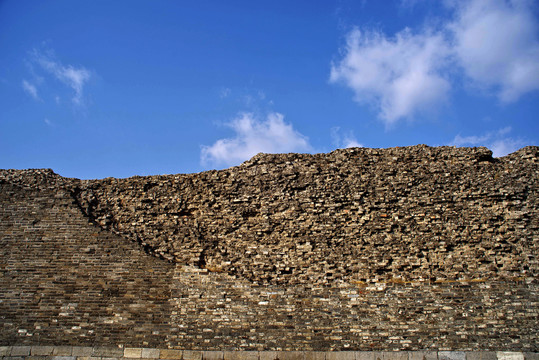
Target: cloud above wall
x,y
252,136
496,44
492,44
498,141
73,77
343,140
400,76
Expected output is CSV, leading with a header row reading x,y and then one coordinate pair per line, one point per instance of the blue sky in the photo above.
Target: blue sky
x,y
97,88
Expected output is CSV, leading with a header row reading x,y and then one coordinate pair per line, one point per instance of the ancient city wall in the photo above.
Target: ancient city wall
x,y
411,248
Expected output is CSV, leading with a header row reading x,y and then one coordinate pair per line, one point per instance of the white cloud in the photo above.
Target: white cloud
x,y
351,142
497,141
401,76
30,89
73,77
347,140
496,44
493,43
253,135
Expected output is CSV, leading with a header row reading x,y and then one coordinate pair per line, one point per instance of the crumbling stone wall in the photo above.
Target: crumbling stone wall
x,y
416,213
362,249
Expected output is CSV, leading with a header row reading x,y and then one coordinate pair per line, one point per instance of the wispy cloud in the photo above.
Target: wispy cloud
x,y
71,76
496,43
254,135
75,78
400,75
493,43
498,141
30,89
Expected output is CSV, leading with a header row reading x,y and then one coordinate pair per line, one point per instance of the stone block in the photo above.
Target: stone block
x,y
150,353
108,352
5,350
20,350
481,355
365,355
340,355
85,351
241,355
451,355
268,355
291,355
394,355
63,358
422,355
509,355
531,356
192,355
212,355
41,350
62,351
170,354
135,353
314,355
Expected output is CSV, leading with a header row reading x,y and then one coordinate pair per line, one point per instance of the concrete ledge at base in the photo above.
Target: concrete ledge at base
x,y
129,353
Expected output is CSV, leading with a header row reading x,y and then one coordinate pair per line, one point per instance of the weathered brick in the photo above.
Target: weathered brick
x,y
133,353
268,355
508,355
365,355
20,350
192,355
41,350
340,355
312,355
108,352
240,355
170,354
85,351
481,355
451,355
150,353
62,351
5,350
213,355
423,355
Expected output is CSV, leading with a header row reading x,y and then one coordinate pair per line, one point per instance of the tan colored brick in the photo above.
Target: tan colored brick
x,y
170,354
133,353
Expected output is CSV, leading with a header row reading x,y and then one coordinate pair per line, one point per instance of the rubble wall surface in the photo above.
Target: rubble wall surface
x,y
360,249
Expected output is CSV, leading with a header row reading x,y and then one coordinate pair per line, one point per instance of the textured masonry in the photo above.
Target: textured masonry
x,y
96,353
430,251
